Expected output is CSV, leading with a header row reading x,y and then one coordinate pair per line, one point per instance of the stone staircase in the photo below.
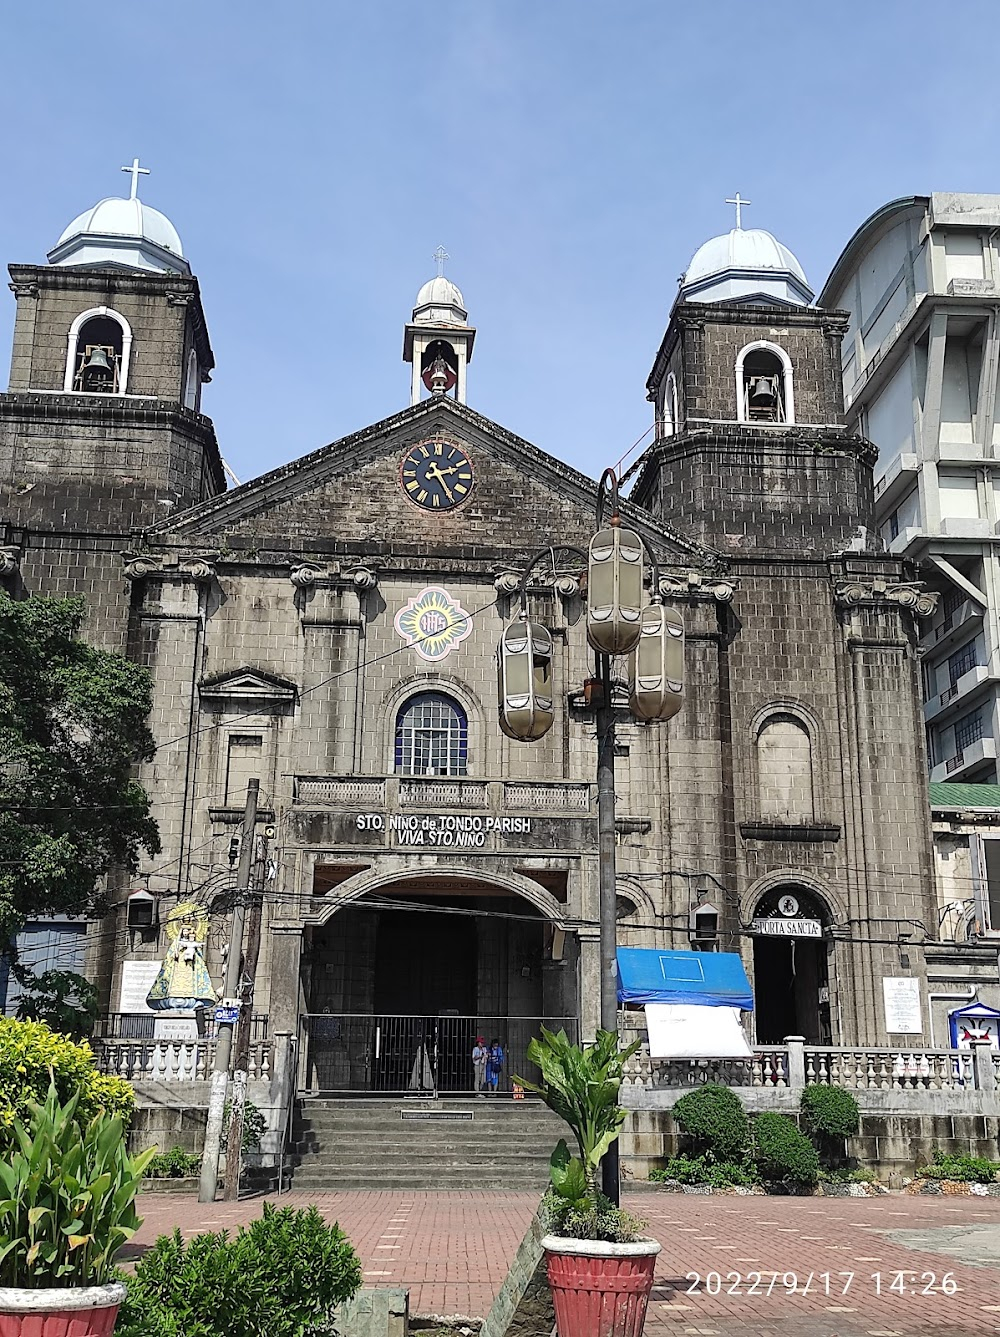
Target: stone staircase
x,y
422,1144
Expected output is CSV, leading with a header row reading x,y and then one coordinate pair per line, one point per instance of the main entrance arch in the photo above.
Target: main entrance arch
x,y
791,965
403,974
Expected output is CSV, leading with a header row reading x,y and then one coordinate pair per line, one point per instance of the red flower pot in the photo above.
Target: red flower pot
x,y
77,1311
599,1290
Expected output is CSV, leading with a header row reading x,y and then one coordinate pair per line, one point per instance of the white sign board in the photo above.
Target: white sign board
x,y
787,928
694,1030
137,980
175,1028
903,1014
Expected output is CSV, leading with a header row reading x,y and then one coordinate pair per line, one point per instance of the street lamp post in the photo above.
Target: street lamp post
x,y
617,624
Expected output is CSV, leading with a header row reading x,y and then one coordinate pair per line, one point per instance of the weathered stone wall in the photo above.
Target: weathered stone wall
x,y
892,1138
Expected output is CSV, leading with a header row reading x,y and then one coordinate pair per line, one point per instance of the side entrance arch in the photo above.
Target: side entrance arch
x,y
791,972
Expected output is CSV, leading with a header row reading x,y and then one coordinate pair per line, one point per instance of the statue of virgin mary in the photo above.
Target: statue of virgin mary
x,y
184,982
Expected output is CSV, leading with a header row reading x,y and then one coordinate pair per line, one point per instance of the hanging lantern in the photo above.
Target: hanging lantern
x,y
614,590
656,665
524,670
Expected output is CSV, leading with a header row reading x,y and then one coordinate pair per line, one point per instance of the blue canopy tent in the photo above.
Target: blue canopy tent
x,y
712,979
692,1000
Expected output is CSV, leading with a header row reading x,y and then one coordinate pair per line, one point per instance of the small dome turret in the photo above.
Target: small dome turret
x,y
121,234
745,265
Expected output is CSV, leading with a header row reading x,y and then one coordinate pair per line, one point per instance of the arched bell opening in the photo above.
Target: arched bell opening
x,y
791,966
401,982
98,361
764,384
439,367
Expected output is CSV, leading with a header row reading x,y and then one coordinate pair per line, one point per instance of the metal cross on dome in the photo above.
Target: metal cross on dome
x,y
135,171
440,256
740,205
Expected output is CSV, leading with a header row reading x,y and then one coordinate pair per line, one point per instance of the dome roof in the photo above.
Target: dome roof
x,y
745,263
743,248
121,233
440,291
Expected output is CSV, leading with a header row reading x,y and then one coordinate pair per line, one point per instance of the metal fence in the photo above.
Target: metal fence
x,y
142,1026
413,1055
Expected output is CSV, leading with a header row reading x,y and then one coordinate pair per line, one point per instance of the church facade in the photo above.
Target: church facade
x,y
331,630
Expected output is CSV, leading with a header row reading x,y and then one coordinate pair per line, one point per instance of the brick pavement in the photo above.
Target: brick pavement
x,y
453,1249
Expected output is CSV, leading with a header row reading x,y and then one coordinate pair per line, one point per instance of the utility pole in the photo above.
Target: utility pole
x,y
230,1000
238,1096
606,881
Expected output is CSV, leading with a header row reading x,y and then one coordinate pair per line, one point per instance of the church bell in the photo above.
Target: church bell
x,y
98,360
763,392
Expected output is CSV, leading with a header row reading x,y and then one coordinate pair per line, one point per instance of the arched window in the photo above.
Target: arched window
x,y
432,736
764,388
784,770
98,352
669,423
191,381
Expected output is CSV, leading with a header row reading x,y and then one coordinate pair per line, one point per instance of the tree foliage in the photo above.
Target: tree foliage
x,y
72,727
63,999
715,1122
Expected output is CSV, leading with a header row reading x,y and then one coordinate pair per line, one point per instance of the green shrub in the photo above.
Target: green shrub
x,y
782,1152
715,1122
31,1055
830,1111
700,1170
966,1169
281,1276
845,1175
66,1197
254,1126
173,1164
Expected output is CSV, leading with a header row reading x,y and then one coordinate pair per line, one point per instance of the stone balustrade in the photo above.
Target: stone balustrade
x,y
795,1064
172,1060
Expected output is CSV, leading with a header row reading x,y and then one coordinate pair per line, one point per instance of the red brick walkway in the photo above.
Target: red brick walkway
x,y
452,1251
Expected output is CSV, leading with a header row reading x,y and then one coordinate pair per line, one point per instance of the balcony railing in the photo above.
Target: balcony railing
x,y
447,792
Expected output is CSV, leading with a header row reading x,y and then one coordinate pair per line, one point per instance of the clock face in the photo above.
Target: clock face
x,y
436,476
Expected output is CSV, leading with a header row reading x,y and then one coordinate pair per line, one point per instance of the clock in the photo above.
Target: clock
x,y
436,475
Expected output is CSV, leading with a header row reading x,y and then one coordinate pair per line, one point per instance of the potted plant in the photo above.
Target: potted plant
x,y
67,1205
600,1266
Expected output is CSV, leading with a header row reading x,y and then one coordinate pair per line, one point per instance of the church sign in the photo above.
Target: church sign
x,y
443,830
787,928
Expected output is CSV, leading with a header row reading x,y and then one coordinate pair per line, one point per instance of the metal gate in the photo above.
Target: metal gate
x,y
414,1055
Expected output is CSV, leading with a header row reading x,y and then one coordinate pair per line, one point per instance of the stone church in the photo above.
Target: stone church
x,y
331,629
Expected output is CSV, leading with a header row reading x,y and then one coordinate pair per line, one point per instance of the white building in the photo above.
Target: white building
x,y
921,281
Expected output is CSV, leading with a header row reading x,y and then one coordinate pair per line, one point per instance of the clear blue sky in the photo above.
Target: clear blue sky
x,y
570,156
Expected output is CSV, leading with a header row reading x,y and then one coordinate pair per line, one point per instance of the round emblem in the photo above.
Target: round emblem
x,y
436,475
788,906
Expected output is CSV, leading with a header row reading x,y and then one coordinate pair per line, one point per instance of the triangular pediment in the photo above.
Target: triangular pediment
x,y
247,685
349,497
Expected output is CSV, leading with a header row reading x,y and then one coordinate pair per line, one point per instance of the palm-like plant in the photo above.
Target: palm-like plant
x,y
581,1085
66,1198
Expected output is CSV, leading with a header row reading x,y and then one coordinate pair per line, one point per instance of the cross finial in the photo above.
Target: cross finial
x,y
740,205
135,171
440,256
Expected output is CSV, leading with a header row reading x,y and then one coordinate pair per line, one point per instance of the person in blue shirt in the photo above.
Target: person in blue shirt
x,y
494,1066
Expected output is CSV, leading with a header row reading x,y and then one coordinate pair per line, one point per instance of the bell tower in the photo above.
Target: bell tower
x,y
438,340
101,429
751,451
